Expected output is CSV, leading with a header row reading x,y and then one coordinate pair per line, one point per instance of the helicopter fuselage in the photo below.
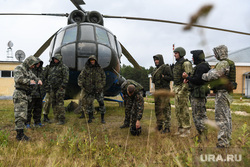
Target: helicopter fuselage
x,y
76,42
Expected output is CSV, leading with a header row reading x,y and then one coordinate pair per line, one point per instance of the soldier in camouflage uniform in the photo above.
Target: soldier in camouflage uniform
x,y
128,99
37,94
23,78
58,77
92,80
161,77
135,100
199,90
222,71
181,92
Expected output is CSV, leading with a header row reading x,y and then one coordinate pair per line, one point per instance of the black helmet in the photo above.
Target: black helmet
x,y
134,131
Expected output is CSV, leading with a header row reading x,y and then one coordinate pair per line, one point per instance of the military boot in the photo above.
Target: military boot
x,y
61,122
159,127
185,133
179,132
124,126
90,117
82,116
21,136
102,116
46,118
166,130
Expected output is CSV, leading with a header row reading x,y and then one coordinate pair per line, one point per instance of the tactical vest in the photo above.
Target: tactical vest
x,y
231,77
177,72
199,91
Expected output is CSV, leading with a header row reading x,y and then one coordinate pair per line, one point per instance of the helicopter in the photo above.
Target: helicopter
x,y
85,35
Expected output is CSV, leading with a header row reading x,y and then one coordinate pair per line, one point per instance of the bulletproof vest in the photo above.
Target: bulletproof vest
x,y
231,77
177,72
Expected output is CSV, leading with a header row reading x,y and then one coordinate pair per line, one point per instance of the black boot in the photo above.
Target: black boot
x,y
102,116
124,126
166,130
82,116
21,136
90,117
46,118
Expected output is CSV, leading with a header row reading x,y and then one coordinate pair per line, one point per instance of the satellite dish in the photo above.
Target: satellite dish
x,y
20,55
10,44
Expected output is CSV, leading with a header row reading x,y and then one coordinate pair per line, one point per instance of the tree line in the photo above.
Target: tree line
x,y
140,76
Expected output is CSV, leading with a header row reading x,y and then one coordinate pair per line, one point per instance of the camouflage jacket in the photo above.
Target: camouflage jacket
x,y
221,70
162,82
57,76
92,78
182,65
138,104
23,74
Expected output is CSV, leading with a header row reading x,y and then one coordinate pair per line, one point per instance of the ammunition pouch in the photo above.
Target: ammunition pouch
x,y
200,91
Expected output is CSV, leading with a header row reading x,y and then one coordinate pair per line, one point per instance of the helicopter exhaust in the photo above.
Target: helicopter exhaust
x,y
79,16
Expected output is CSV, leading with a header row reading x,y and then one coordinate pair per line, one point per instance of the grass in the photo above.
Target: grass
x,y
80,144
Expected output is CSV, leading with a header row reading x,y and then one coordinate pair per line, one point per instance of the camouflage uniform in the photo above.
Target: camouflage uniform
x,y
21,95
199,90
37,94
128,100
47,99
92,80
58,77
181,92
161,77
222,98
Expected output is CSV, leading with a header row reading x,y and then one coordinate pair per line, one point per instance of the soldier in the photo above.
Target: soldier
x,y
23,79
161,77
37,94
199,90
58,77
223,77
92,80
181,92
128,99
135,100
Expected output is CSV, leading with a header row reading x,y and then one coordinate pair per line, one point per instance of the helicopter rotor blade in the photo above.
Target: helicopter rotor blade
x,y
175,22
129,57
45,45
37,14
77,4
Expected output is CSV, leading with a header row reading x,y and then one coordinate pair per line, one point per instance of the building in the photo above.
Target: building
x,y
242,63
7,78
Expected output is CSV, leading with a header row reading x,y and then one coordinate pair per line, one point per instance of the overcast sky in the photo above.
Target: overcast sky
x,y
142,39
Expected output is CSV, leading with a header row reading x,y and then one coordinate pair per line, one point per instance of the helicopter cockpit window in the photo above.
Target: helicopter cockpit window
x,y
87,33
112,41
58,39
102,36
70,35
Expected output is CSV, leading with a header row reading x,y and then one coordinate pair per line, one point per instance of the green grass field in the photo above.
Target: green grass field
x,y
80,144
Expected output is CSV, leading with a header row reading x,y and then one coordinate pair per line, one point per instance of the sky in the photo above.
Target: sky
x,y
142,39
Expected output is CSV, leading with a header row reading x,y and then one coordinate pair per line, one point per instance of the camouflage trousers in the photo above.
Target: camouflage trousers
x,y
181,110
88,102
46,104
131,111
57,100
163,111
199,113
223,117
35,110
20,100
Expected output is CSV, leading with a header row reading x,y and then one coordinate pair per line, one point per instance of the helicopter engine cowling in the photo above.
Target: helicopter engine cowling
x,y
76,16
95,17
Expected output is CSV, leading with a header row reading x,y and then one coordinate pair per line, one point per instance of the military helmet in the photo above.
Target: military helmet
x,y
181,51
134,131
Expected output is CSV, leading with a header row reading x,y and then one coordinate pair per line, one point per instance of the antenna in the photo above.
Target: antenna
x,y
9,50
20,55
